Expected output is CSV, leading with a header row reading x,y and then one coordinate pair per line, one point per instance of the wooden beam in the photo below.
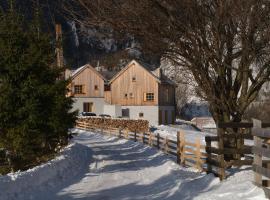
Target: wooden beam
x,y
260,132
240,125
261,151
261,171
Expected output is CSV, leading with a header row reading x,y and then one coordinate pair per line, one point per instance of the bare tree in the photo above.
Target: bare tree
x,y
223,43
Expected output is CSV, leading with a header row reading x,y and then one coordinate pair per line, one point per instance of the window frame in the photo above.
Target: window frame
x,y
149,96
78,89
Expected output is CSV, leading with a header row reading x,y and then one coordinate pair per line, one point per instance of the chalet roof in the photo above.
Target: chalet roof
x,y
76,72
162,79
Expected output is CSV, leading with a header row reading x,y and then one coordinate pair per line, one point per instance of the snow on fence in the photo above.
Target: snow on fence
x,y
186,153
261,164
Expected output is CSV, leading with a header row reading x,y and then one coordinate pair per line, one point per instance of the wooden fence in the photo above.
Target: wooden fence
x,y
217,151
261,150
185,152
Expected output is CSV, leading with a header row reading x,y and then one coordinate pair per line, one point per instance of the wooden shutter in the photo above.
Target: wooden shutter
x,y
144,96
85,107
83,89
72,85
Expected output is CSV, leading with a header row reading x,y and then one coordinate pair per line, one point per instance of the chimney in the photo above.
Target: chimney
x,y
158,72
68,73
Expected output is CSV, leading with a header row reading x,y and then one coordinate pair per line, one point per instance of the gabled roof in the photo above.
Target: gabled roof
x,y
162,80
81,69
133,62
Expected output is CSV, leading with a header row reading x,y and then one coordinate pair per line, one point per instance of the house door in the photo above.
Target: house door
x,y
160,117
173,117
166,117
87,107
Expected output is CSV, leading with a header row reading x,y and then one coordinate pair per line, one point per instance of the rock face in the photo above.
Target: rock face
x,y
81,45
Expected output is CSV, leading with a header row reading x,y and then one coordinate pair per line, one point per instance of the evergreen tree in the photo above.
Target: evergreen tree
x,y
34,110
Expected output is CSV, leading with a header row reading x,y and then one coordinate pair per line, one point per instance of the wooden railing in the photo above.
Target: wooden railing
x,y
261,164
185,152
217,151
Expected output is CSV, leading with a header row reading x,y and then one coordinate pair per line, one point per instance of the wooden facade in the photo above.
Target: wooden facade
x,y
141,93
134,85
88,82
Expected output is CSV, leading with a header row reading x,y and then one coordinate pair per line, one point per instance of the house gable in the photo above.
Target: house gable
x,y
132,63
134,85
88,81
82,69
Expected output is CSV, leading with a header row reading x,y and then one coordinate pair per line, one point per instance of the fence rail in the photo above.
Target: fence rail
x,y
261,164
185,152
217,151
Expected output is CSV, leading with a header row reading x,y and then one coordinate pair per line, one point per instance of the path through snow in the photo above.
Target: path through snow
x,y
124,170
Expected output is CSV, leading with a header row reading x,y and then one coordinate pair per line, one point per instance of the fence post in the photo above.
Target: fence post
x,y
84,125
209,154
221,155
166,145
198,154
135,136
119,133
182,147
150,139
257,156
178,147
141,137
126,134
158,140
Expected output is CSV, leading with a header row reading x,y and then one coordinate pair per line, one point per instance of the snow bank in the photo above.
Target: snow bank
x,y
171,132
20,184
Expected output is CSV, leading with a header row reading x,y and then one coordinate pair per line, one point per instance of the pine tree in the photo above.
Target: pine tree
x,y
34,109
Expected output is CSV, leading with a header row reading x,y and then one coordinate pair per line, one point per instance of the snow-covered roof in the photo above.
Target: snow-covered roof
x,y
81,69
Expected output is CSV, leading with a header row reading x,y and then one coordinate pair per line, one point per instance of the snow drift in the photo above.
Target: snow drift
x,y
20,184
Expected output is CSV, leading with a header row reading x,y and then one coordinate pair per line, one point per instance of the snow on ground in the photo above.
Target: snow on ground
x,y
106,168
171,131
23,185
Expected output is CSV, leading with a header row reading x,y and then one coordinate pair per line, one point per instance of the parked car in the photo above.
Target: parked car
x,y
88,114
105,116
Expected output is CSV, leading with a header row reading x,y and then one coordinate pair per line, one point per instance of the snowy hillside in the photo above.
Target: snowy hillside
x,y
106,168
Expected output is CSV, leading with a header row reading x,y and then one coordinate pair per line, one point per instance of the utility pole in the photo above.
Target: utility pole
x,y
59,47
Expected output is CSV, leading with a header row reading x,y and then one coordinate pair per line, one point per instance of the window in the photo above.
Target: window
x,y
88,107
96,87
134,79
78,89
131,95
107,87
149,97
141,114
126,95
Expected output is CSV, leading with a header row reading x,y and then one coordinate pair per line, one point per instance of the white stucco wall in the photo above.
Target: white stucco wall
x,y
113,110
150,113
98,104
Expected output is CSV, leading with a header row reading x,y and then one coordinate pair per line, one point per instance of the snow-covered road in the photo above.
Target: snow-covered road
x,y
124,170
121,169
